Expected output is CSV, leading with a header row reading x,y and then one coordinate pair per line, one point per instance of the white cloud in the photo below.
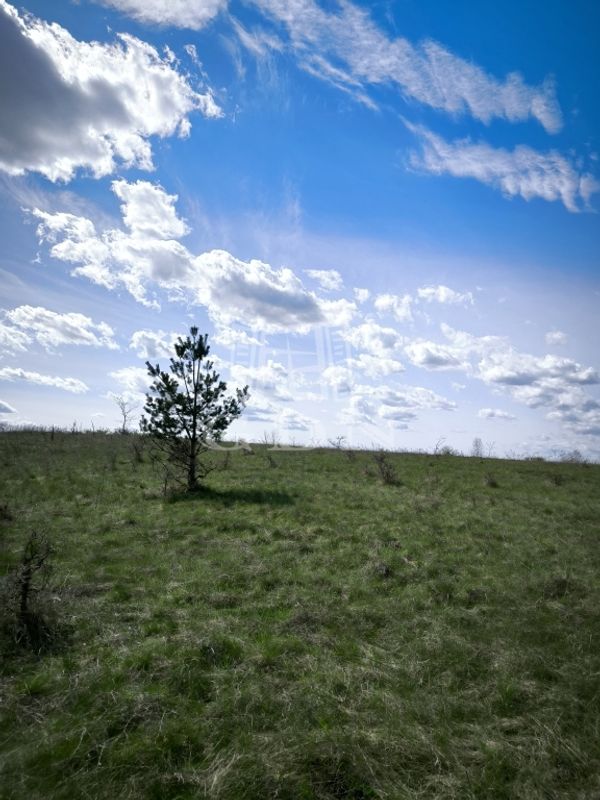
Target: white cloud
x,y
68,384
556,337
339,378
146,255
520,172
52,329
5,408
149,211
359,411
346,48
328,279
230,337
373,338
362,295
292,420
495,413
521,369
193,14
254,293
271,379
375,366
152,344
547,381
397,405
443,294
12,340
134,380
337,313
259,409
70,105
398,307
430,355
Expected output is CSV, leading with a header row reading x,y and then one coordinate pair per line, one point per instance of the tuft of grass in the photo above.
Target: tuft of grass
x,y
301,632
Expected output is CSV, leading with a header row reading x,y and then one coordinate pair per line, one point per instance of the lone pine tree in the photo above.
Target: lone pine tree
x,y
186,407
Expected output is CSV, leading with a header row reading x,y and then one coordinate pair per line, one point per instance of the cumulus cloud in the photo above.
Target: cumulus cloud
x,y
345,47
397,405
271,379
6,408
521,369
430,355
522,172
362,295
338,378
443,294
152,344
147,255
148,210
359,411
548,381
495,413
230,337
192,14
70,105
328,279
556,337
375,366
398,307
373,338
135,380
292,420
68,384
51,329
260,409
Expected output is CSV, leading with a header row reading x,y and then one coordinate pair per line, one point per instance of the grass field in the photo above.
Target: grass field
x,y
301,629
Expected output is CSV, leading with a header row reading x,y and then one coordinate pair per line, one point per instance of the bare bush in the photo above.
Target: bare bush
x,y
477,448
385,469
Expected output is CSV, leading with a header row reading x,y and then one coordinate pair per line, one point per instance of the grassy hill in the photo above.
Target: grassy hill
x,y
301,629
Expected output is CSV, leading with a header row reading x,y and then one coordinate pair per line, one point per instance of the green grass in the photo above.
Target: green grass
x,y
302,631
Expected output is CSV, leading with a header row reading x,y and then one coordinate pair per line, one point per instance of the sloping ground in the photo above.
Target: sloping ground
x,y
301,629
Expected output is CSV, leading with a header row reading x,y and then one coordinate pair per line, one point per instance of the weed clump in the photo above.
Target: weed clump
x,y
490,480
385,469
28,619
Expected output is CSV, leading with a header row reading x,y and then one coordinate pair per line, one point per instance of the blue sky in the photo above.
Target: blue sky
x,y
384,214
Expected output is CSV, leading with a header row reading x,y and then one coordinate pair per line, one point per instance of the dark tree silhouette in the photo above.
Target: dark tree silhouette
x,y
186,407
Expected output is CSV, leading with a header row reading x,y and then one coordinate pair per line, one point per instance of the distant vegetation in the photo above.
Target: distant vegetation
x,y
326,623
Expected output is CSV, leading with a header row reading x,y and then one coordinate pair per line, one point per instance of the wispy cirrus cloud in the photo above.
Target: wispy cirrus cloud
x,y
347,48
71,105
522,172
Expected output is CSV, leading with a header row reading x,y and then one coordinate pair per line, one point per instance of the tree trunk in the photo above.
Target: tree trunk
x,y
192,482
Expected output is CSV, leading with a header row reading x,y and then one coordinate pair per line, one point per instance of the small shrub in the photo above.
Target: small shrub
x,y
572,457
28,617
383,570
137,449
490,480
386,471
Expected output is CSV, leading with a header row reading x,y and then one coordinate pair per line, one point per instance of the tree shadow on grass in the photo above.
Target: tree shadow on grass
x,y
229,497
